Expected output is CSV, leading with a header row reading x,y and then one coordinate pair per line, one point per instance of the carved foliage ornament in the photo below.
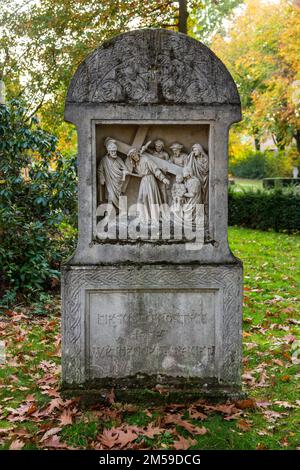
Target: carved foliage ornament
x,y
153,66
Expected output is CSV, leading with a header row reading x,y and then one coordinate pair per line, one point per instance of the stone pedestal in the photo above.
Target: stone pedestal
x,y
132,327
144,313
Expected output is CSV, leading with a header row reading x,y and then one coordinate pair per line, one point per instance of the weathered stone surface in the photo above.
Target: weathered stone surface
x,y
153,321
137,313
153,66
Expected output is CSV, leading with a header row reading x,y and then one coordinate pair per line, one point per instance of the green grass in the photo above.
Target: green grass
x,y
270,330
245,183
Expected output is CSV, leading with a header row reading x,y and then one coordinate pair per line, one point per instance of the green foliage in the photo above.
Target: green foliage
x,y
37,195
42,43
272,209
207,17
261,50
261,165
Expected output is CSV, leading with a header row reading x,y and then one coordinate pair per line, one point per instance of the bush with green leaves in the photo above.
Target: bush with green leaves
x,y
38,205
259,165
266,209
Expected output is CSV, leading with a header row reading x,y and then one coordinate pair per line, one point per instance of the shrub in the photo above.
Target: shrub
x,y
259,165
277,209
37,199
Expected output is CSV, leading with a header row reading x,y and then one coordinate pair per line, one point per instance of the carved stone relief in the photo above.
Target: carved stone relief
x,y
175,177
153,66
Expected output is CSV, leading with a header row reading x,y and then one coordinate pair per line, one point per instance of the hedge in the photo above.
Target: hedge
x,y
272,209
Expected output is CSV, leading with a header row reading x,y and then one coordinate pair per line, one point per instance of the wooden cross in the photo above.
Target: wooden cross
x,y
138,141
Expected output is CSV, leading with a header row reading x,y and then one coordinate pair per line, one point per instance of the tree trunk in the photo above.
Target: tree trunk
x,y
257,143
183,16
297,138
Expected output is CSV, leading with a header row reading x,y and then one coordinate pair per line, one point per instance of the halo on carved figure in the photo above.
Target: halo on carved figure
x,y
153,66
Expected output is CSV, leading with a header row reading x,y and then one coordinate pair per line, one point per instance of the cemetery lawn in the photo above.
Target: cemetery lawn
x,y
33,415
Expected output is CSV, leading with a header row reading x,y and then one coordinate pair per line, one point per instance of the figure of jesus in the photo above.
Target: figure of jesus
x,y
149,197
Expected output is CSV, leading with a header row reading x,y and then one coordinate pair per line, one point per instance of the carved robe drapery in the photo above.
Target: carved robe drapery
x,y
110,173
149,195
193,188
199,166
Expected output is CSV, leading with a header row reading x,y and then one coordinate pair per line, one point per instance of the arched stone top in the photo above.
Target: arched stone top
x,y
153,66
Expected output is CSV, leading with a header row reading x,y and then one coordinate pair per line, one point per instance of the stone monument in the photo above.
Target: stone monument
x,y
153,295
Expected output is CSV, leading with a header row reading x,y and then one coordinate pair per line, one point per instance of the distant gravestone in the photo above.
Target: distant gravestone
x,y
152,295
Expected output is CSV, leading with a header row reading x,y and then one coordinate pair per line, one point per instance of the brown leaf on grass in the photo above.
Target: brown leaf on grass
x,y
278,362
16,445
54,443
244,404
233,417
152,431
110,397
191,428
126,436
284,404
243,425
227,409
56,403
184,444
30,398
22,433
51,392
49,433
272,416
108,438
66,417
248,378
289,338
262,379
195,414
263,404
6,430
22,411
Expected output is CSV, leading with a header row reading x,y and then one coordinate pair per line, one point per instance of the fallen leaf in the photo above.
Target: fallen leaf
x,y
244,404
126,436
243,425
54,442
152,431
183,444
191,428
50,433
110,397
108,438
16,445
66,417
195,414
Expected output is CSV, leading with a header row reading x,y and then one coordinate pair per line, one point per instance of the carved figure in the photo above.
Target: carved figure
x,y
178,191
198,162
193,192
178,157
159,152
149,197
111,171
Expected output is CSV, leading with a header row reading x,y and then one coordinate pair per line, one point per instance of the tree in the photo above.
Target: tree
x,y
37,195
262,50
42,43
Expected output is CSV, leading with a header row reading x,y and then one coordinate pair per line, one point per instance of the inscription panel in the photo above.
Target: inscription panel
x,y
151,331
